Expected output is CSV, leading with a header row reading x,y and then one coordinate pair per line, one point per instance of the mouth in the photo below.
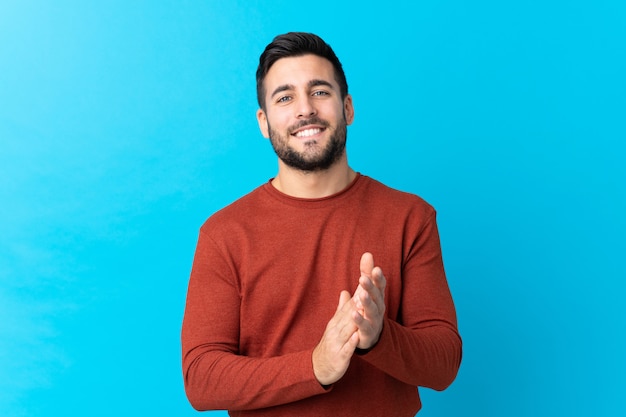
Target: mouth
x,y
308,132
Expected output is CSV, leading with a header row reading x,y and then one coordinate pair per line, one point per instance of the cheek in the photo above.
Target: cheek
x,y
278,122
334,114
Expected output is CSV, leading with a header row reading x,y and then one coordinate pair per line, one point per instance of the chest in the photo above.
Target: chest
x,y
290,281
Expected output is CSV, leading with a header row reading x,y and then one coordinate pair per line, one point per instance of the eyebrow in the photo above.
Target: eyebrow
x,y
312,83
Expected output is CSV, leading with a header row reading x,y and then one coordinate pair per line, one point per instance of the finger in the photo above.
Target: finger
x,y
344,297
379,279
367,264
351,344
342,325
370,294
371,307
356,298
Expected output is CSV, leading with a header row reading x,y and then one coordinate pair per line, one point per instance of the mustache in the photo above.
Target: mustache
x,y
312,121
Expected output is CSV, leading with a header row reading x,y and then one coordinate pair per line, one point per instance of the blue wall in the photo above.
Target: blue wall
x,y
123,125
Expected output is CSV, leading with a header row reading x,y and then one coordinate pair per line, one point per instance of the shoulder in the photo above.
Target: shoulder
x,y
237,211
393,199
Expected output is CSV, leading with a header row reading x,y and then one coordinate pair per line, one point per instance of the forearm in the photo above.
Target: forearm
x,y
428,356
217,379
217,373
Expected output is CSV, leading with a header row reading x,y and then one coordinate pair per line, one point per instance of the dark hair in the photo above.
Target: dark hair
x,y
294,44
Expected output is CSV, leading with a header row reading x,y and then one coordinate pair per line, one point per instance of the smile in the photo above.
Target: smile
x,y
307,132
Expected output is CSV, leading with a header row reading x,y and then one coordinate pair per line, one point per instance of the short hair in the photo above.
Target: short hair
x,y
295,44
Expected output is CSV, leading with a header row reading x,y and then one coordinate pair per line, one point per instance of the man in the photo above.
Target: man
x,y
322,292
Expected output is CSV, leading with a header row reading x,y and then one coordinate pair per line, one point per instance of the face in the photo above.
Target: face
x,y
305,117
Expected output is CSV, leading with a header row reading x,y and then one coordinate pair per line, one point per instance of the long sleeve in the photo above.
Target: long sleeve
x,y
216,375
423,346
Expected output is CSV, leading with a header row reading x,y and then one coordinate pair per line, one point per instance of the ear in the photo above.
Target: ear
x,y
261,118
348,109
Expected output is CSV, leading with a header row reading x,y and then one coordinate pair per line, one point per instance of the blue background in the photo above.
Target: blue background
x,y
123,125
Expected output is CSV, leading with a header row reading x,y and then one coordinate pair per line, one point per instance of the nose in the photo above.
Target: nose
x,y
306,108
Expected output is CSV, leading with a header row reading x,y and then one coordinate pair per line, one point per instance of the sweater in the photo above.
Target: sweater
x,y
266,279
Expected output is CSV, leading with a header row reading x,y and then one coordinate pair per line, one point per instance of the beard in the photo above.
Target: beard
x,y
313,158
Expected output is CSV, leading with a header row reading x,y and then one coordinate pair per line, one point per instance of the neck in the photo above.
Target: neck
x,y
314,184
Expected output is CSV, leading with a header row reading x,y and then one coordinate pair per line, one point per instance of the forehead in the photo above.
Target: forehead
x,y
299,70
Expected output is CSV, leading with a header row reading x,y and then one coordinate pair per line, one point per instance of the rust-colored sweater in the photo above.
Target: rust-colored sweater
x,y
266,279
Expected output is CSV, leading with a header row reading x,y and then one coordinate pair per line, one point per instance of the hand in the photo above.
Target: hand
x,y
331,357
369,299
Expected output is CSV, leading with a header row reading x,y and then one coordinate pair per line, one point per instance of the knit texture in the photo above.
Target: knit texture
x,y
266,279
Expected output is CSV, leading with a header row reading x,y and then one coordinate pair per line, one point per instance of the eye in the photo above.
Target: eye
x,y
283,99
321,93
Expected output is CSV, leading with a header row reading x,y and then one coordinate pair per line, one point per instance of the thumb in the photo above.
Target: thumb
x,y
344,297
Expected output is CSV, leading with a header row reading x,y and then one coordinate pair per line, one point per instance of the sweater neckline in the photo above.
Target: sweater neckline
x,y
315,202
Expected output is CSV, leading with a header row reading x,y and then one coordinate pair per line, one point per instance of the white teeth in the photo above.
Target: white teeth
x,y
308,132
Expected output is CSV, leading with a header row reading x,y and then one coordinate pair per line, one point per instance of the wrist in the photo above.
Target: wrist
x,y
363,351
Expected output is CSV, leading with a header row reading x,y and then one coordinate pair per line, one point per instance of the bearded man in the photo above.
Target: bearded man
x,y
322,292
